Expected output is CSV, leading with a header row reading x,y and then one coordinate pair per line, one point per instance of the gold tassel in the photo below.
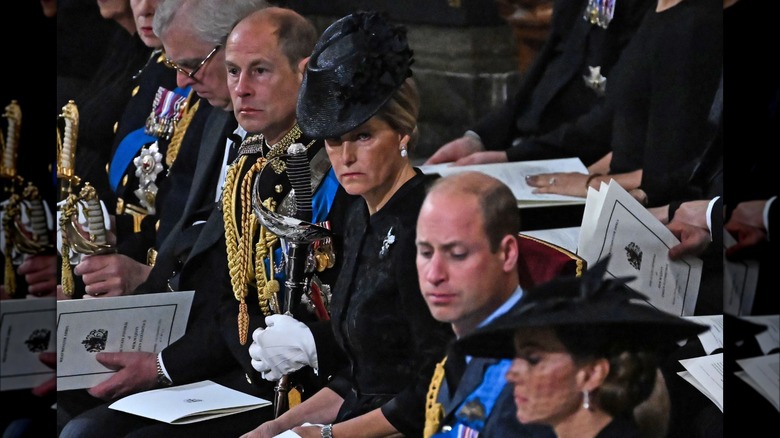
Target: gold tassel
x,y
243,322
67,272
434,411
293,398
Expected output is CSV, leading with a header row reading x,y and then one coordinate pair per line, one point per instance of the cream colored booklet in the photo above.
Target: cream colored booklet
x,y
191,403
513,175
616,224
26,330
85,327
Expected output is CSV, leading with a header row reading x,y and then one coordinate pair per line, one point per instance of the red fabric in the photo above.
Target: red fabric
x,y
542,261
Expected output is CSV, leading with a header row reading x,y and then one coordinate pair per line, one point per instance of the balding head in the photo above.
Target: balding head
x,y
497,203
295,34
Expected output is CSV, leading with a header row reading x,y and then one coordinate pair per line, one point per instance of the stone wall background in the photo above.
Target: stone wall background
x,y
466,58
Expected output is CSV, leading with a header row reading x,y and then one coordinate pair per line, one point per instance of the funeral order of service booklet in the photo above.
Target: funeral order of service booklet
x,y
26,330
85,327
191,403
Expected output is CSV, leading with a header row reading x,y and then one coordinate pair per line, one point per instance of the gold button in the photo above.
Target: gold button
x,y
135,90
116,125
124,180
279,188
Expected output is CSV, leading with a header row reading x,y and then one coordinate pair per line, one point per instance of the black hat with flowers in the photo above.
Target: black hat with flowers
x,y
356,66
590,302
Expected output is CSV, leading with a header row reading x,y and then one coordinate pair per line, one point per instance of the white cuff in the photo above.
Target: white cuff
x,y
766,215
709,214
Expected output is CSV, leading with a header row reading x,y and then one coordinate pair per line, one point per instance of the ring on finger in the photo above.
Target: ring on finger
x,y
552,181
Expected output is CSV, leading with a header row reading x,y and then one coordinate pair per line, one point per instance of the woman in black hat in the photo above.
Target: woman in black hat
x,y
586,354
358,94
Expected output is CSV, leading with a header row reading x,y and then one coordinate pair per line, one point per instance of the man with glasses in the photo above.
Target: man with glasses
x,y
193,34
211,349
190,72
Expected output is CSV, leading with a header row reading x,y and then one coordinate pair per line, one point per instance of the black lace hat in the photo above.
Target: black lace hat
x,y
356,66
589,300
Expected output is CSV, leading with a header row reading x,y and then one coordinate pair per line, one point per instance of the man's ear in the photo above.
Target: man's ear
x,y
510,250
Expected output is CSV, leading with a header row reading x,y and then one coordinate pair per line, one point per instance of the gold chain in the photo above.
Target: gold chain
x,y
434,411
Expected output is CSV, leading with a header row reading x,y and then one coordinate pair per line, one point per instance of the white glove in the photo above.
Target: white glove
x,y
284,346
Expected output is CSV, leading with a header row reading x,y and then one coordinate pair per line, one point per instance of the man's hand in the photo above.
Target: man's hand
x,y
746,224
135,372
111,275
455,150
48,358
284,346
689,225
40,273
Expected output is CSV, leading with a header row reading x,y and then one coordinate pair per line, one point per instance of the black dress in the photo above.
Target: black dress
x,y
379,316
542,119
619,428
662,91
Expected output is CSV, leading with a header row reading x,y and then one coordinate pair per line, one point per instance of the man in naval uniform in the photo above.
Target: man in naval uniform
x,y
265,54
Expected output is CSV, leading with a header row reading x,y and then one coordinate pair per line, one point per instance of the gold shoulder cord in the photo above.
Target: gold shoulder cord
x,y
240,233
181,129
434,411
239,244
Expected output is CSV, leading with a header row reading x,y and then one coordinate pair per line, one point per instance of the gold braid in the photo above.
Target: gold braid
x,y
267,288
434,411
181,129
239,244
232,242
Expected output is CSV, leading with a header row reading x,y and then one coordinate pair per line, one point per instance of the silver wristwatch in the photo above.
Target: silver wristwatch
x,y
326,431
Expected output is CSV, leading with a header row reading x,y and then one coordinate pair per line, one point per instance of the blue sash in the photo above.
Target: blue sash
x,y
485,395
128,148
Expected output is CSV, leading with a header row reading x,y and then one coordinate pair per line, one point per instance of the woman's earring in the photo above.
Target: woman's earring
x,y
403,150
585,400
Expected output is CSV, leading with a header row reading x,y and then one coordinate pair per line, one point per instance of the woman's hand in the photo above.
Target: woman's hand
x,y
566,183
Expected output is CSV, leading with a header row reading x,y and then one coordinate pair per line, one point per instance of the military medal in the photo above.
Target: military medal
x,y
148,164
167,109
595,81
600,12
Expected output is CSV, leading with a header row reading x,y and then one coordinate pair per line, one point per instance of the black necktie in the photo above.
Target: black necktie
x,y
235,140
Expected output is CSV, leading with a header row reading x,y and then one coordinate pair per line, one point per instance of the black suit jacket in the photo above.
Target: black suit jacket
x,y
553,94
200,202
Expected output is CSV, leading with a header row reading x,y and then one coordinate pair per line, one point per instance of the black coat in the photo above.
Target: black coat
x,y
553,94
379,316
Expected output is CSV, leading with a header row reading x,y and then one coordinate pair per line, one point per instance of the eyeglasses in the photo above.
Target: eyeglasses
x,y
191,74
